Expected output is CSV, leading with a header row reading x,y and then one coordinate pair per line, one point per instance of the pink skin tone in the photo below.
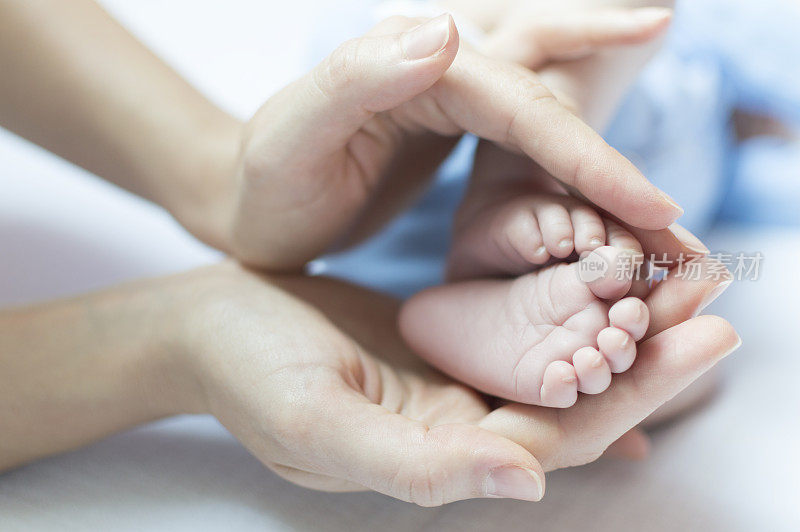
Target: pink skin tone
x,y
514,236
539,339
546,336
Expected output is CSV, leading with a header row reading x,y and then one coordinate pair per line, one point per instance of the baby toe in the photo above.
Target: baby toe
x,y
631,315
607,271
621,238
559,385
521,230
618,349
640,288
594,373
556,227
590,233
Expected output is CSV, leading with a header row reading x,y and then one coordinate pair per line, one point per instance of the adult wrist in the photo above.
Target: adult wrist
x,y
172,382
203,194
198,314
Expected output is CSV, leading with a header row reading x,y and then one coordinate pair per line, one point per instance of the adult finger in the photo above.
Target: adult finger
x,y
564,35
666,364
633,445
365,444
509,104
364,76
685,292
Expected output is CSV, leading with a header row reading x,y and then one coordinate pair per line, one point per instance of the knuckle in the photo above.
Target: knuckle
x,y
396,23
425,485
535,95
339,72
422,482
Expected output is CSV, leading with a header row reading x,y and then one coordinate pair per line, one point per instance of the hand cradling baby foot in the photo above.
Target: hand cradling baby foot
x,y
564,325
538,339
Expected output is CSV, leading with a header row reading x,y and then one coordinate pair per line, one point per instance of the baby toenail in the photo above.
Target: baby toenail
x,y
596,242
566,243
541,250
569,379
624,342
598,362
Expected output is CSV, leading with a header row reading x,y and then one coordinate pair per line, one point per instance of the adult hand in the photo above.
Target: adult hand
x,y
331,400
316,152
307,164
339,403
539,32
591,84
678,348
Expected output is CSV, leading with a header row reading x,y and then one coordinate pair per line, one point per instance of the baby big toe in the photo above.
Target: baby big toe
x,y
559,385
631,315
594,374
590,232
557,232
618,348
608,272
521,230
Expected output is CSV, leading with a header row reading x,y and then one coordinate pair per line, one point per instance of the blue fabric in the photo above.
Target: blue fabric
x,y
766,185
409,253
674,125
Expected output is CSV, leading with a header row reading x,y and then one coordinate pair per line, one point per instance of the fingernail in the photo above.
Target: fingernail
x,y
737,346
734,348
427,39
672,203
515,483
647,15
713,295
688,239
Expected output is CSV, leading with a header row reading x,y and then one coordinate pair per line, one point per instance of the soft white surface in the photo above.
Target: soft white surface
x,y
731,466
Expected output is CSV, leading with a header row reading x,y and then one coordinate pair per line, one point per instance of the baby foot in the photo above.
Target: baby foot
x,y
515,236
539,339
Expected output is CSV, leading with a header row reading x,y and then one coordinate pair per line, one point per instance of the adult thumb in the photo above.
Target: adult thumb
x,y
429,466
362,77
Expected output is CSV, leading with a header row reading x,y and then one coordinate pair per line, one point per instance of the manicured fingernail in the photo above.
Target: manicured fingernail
x,y
713,295
688,239
515,483
427,39
647,15
678,210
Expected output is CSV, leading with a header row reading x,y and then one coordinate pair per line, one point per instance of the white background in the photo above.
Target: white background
x,y
731,466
